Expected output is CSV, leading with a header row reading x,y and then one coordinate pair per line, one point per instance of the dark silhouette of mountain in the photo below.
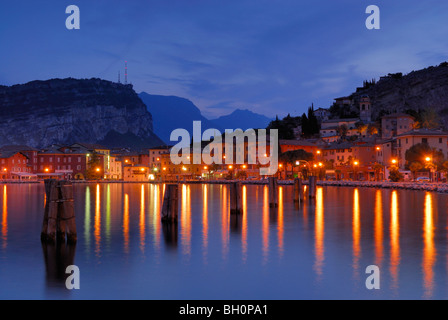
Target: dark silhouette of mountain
x,y
243,119
63,111
171,112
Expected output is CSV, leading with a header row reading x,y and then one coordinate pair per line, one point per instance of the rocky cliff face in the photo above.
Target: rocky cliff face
x,y
63,111
418,90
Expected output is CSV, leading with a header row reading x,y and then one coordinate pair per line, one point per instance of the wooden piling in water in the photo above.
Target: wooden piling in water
x,y
170,203
59,216
312,186
298,190
236,206
273,192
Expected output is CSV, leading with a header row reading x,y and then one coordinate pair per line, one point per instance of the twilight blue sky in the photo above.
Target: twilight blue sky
x,y
272,57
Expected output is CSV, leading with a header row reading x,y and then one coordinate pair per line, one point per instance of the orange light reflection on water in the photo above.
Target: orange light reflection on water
x,y
319,234
5,218
126,223
429,251
142,219
97,225
280,227
244,228
204,219
394,239
378,229
265,223
186,219
356,224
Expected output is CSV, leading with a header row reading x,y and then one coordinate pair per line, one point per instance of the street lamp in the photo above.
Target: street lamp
x,y
355,171
430,166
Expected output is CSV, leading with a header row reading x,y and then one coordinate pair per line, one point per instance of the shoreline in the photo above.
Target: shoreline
x,y
410,185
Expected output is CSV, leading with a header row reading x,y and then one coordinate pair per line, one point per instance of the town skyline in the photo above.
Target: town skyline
x,y
270,59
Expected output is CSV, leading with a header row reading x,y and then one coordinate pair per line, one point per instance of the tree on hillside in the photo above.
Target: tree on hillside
x,y
285,126
430,119
342,130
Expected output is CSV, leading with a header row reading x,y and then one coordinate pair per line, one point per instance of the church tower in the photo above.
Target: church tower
x,y
365,109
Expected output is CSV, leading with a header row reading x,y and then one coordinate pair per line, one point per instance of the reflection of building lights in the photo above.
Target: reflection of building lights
x,y
151,177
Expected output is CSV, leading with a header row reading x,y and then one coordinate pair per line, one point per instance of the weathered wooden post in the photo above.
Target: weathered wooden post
x,y
312,186
236,206
298,190
66,221
273,192
170,203
59,216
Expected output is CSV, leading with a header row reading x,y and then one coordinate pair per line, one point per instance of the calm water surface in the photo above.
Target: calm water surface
x,y
318,250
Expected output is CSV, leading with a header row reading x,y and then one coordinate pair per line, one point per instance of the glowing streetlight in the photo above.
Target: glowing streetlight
x,y
205,167
183,168
320,164
394,161
4,169
318,151
244,166
46,169
97,169
428,159
230,167
356,163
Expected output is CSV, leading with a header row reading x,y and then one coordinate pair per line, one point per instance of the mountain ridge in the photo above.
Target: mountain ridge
x,y
63,111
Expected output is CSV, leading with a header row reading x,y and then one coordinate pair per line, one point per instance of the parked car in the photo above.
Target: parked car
x,y
423,179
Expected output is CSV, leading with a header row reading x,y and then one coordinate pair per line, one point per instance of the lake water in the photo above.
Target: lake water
x,y
318,250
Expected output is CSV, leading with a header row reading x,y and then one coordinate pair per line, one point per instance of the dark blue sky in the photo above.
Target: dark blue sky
x,y
272,57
